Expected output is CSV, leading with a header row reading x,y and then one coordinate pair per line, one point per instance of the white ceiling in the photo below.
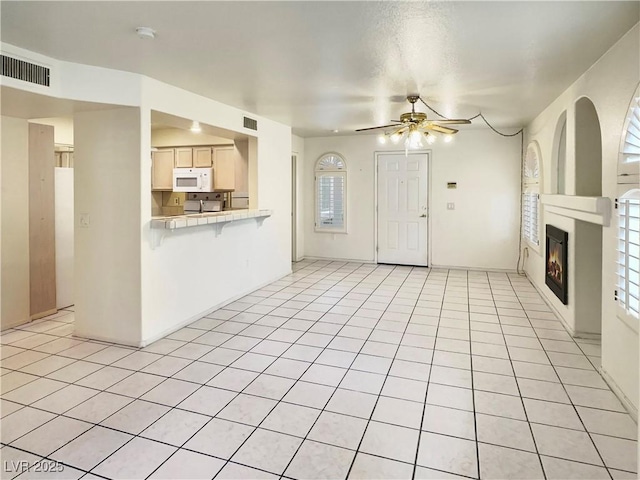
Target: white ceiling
x,y
319,66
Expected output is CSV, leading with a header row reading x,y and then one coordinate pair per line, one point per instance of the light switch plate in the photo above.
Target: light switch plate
x,y
451,206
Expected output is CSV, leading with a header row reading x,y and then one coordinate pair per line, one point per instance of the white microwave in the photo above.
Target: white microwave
x,y
193,180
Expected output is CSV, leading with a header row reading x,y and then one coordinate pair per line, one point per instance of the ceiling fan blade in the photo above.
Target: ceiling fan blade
x,y
374,128
439,128
453,121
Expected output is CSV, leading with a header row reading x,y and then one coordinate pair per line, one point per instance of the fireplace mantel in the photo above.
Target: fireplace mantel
x,y
588,209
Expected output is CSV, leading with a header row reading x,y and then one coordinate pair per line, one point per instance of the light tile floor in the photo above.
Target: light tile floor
x,y
339,370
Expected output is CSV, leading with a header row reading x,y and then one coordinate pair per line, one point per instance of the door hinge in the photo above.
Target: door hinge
x,y
615,203
615,295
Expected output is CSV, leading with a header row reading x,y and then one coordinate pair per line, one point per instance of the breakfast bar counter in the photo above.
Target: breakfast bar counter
x,y
208,218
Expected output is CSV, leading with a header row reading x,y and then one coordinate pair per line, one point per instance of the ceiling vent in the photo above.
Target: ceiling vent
x,y
250,123
25,71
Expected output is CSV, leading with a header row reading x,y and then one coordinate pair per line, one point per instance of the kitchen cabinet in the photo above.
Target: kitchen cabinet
x,y
162,162
224,159
202,157
184,157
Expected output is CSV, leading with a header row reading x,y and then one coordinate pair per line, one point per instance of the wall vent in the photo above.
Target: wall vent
x,y
250,123
25,71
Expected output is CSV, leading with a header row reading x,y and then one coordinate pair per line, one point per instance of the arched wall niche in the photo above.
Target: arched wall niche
x,y
557,183
588,149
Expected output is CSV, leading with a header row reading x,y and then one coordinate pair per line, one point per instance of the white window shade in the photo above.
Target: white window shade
x,y
628,265
530,223
331,194
631,149
331,201
629,157
530,195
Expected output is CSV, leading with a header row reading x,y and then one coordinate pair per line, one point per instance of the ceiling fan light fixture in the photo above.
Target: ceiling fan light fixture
x,y
414,139
413,125
382,139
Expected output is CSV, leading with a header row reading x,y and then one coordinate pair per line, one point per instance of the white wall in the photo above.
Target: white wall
x,y
297,149
192,271
610,84
486,167
14,218
64,227
130,289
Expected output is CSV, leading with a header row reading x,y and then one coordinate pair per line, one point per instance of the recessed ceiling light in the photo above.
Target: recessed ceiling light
x,y
146,33
195,127
336,131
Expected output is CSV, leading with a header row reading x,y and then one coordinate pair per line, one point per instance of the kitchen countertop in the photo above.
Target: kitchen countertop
x,y
196,219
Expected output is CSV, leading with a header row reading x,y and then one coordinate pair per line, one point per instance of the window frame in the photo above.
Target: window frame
x,y
631,317
531,186
331,165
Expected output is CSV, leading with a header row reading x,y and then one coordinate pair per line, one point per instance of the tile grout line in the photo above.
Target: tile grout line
x,y
574,408
338,386
369,420
260,341
424,407
515,379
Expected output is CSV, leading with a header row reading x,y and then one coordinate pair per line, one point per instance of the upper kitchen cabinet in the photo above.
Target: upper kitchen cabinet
x,y
162,162
224,160
202,157
184,157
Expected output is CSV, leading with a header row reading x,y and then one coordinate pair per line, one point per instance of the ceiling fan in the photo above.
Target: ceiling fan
x,y
414,126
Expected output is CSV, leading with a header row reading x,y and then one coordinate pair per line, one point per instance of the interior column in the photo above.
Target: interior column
x,y
108,225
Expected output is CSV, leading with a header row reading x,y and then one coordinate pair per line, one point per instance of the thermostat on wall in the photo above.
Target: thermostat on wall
x,y
452,184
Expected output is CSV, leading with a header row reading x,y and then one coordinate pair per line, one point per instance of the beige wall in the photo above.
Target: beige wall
x,y
14,252
63,128
175,137
107,251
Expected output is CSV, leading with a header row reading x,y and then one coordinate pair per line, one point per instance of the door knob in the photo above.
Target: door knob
x,y
424,215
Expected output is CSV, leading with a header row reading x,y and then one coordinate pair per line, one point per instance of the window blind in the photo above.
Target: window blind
x,y
530,217
631,148
628,264
330,200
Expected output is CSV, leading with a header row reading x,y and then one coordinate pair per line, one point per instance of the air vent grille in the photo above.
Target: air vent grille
x,y
25,71
250,123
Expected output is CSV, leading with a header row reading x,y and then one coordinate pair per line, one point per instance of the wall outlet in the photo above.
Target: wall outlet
x,y
451,206
85,220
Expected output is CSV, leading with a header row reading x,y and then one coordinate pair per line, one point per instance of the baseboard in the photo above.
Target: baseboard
x,y
14,324
570,330
328,259
44,314
198,316
98,338
626,403
474,269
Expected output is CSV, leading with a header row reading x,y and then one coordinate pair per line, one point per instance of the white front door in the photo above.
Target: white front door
x,y
402,208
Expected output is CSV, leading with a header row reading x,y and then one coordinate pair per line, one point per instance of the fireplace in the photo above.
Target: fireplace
x,y
556,276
